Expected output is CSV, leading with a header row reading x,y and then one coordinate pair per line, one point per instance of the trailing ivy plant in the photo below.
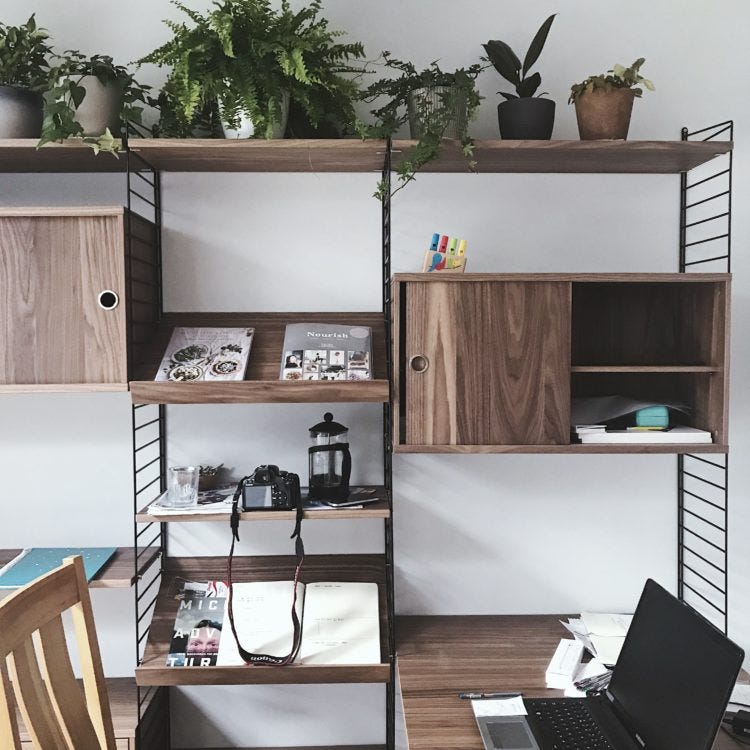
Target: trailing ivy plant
x,y
619,77
244,58
24,56
433,121
67,92
506,63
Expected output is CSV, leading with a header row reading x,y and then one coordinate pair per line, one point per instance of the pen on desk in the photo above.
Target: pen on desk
x,y
481,696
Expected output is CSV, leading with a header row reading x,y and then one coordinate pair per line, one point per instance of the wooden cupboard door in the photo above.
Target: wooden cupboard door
x,y
52,271
487,363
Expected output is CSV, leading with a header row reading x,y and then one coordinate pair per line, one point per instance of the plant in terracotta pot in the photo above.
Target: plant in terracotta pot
x,y
523,115
91,97
24,75
604,102
236,69
436,104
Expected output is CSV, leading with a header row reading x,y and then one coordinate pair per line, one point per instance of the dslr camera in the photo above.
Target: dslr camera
x,y
269,488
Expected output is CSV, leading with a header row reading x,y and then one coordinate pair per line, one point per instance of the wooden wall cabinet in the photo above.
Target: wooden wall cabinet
x,y
67,296
490,362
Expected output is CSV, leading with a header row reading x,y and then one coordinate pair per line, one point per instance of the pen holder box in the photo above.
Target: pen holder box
x,y
459,264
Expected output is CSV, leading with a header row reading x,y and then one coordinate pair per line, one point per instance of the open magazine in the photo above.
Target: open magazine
x,y
340,625
326,351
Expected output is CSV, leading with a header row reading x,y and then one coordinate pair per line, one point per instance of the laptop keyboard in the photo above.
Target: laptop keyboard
x,y
568,724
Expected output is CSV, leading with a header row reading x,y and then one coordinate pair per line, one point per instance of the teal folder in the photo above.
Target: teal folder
x,y
37,561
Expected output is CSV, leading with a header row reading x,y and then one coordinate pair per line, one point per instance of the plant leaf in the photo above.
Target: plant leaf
x,y
537,44
528,86
504,60
507,96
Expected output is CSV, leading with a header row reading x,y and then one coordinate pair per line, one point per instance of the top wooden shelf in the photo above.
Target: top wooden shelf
x,y
351,155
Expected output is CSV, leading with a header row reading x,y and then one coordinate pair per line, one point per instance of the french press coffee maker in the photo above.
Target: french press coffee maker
x,y
330,461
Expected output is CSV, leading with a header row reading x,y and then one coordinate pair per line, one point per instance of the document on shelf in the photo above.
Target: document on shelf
x,y
340,626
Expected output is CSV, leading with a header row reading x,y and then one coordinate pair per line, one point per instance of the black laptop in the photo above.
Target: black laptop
x,y
669,690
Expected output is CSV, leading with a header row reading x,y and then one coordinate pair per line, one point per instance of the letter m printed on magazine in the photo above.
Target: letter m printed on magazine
x,y
198,624
326,351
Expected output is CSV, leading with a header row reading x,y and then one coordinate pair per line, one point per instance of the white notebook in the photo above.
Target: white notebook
x,y
677,434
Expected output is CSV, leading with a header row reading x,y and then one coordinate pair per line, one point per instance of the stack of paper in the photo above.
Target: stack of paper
x,y
566,669
601,634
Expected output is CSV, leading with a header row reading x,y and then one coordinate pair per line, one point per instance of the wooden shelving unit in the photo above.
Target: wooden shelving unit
x,y
261,384
118,572
154,670
22,155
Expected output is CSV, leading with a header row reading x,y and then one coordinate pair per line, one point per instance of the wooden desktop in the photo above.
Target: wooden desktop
x,y
438,657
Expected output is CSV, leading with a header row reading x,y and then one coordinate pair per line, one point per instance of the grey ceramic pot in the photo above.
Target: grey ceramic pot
x,y
100,108
427,100
21,113
526,119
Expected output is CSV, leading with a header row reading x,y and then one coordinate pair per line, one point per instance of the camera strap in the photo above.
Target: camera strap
x,y
299,548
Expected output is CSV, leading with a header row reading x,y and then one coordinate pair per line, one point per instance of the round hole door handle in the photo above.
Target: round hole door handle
x,y
419,363
108,300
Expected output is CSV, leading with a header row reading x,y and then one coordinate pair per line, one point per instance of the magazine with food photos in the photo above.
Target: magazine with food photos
x,y
206,354
326,351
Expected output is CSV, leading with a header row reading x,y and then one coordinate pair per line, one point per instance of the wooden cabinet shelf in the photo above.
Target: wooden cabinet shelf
x,y
262,384
118,572
352,155
154,671
489,363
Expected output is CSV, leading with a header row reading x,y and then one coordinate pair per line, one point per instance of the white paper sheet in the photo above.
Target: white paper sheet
x,y
598,623
499,707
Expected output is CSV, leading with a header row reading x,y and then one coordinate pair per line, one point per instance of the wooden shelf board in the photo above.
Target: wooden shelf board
x,y
667,369
378,509
153,669
306,747
119,572
696,448
277,155
16,388
582,278
584,157
22,155
262,384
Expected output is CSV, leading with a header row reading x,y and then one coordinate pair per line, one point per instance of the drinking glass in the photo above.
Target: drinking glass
x,y
182,486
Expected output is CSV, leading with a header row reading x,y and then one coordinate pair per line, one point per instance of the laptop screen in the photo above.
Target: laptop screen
x,y
675,673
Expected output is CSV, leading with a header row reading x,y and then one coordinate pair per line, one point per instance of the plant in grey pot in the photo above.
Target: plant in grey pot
x,y
435,103
604,102
523,115
24,74
91,97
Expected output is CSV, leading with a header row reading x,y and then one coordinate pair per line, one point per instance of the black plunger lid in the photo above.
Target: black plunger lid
x,y
328,426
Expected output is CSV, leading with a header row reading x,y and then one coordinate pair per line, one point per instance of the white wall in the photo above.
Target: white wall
x,y
474,534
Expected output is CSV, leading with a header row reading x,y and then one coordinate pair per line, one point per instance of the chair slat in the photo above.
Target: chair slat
x,y
67,696
94,684
8,724
34,701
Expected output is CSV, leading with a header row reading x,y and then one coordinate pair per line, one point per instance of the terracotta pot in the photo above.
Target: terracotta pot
x,y
604,114
526,119
21,113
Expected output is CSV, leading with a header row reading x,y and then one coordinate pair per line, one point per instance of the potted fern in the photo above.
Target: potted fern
x,y
237,68
437,104
522,115
604,102
24,75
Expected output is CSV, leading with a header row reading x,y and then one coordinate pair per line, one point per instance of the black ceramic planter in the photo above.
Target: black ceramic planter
x,y
21,113
526,119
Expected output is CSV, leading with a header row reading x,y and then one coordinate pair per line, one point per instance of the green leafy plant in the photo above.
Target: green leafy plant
x,y
245,58
506,62
433,120
619,77
67,92
24,56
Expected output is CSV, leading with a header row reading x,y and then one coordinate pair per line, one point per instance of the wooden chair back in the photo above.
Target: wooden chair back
x,y
35,666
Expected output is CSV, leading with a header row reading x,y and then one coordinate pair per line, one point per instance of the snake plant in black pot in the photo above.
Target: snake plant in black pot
x,y
523,115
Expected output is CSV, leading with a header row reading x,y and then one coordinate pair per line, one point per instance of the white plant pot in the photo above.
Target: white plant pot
x,y
100,108
246,127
